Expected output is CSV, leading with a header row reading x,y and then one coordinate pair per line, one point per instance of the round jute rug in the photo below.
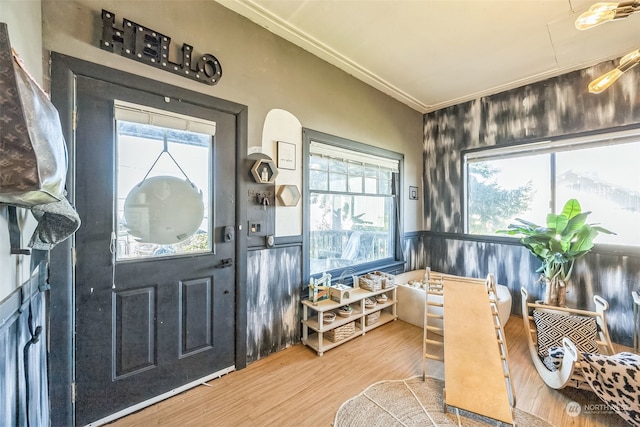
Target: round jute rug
x,y
413,402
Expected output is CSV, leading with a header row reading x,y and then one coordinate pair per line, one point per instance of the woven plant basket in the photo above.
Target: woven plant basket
x,y
341,332
370,284
372,318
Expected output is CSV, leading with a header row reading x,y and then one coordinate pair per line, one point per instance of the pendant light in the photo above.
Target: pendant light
x,y
598,14
627,62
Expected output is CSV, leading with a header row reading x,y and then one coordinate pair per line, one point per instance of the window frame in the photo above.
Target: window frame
x,y
395,262
552,145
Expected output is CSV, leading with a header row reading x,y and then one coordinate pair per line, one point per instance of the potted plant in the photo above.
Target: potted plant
x,y
565,238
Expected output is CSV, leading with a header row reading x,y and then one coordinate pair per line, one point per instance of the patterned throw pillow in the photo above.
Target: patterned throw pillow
x,y
552,327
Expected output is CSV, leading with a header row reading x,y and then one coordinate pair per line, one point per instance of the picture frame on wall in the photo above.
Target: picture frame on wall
x,y
286,155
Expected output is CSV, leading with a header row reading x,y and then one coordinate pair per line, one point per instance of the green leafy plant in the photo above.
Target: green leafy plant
x,y
565,238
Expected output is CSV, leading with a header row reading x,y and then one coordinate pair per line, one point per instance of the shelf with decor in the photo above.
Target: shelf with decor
x,y
322,335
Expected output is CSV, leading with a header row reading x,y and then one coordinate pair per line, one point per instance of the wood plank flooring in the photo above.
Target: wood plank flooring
x,y
295,387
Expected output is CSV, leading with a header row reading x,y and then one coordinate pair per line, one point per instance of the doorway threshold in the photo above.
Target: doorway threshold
x,y
154,400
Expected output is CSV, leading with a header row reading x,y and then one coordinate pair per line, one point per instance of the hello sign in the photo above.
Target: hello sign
x,y
144,45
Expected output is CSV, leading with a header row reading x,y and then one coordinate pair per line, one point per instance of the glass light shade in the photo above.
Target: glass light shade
x,y
604,81
632,57
597,14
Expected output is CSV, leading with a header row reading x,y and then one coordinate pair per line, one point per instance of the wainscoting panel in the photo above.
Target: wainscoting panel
x,y
9,374
413,251
610,276
274,287
23,361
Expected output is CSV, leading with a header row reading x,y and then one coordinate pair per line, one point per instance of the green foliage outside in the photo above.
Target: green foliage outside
x,y
197,243
491,206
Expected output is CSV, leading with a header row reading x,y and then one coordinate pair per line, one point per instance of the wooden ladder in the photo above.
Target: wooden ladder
x,y
500,337
433,289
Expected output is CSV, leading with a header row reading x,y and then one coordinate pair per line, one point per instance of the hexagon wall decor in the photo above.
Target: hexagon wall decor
x,y
264,171
288,195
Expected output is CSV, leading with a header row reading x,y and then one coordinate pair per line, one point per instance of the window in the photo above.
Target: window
x,y
175,151
530,180
352,207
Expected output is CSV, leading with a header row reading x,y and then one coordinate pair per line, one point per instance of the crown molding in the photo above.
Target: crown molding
x,y
278,26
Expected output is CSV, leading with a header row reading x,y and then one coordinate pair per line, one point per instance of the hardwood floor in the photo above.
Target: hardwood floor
x,y
295,387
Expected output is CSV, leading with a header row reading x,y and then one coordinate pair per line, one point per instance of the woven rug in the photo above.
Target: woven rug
x,y
413,402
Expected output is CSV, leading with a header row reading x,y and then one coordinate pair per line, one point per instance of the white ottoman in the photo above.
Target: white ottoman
x,y
410,307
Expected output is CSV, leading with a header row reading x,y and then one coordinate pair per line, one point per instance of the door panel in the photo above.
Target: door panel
x,y
133,325
148,325
195,316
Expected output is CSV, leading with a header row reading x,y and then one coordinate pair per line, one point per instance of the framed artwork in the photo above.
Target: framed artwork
x,y
286,155
413,193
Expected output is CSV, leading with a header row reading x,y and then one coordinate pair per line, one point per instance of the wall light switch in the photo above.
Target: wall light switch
x,y
255,227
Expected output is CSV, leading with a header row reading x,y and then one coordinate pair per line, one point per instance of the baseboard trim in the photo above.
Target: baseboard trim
x,y
161,397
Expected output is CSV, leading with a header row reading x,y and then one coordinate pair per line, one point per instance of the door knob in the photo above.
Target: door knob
x,y
227,262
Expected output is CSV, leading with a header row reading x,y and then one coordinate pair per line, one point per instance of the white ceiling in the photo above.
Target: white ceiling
x,y
430,54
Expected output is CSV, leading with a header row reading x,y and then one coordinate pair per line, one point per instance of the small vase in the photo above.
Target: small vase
x,y
555,291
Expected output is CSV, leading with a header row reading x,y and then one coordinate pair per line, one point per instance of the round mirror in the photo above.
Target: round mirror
x,y
163,210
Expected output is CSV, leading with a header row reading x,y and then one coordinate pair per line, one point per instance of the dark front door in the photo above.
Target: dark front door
x,y
154,288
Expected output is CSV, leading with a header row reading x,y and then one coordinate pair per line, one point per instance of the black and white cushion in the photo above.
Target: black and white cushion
x,y
552,327
554,359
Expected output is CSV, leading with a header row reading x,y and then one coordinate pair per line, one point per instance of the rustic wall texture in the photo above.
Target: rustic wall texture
x,y
555,107
273,300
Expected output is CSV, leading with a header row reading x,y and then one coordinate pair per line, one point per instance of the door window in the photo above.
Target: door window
x,y
163,193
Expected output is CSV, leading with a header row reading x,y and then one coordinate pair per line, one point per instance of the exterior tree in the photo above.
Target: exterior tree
x,y
493,206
